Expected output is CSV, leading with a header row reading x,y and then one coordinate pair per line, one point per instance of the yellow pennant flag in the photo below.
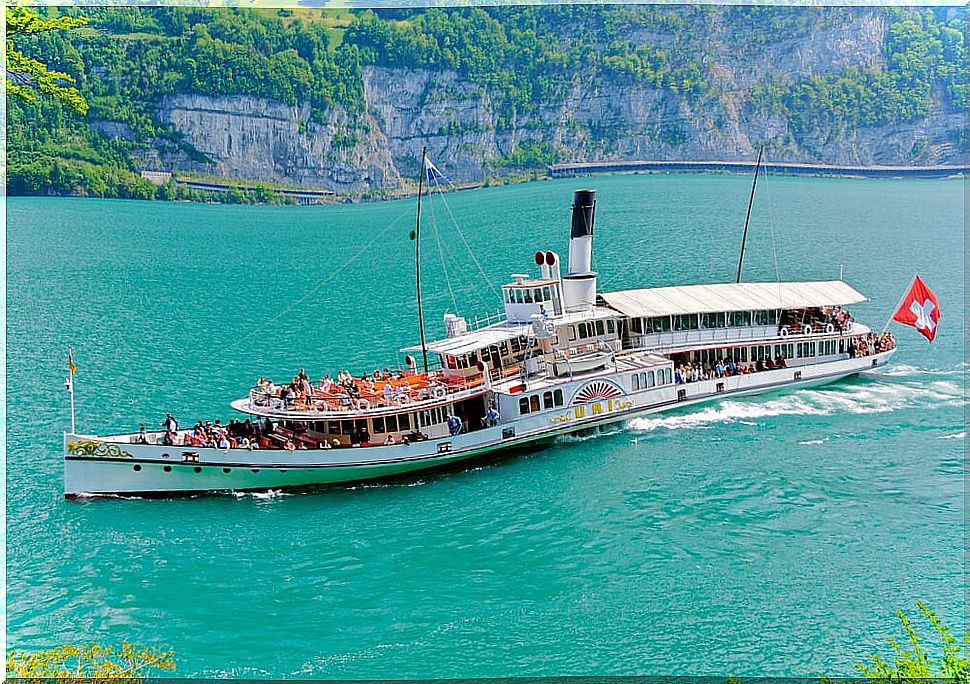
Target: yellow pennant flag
x,y
70,362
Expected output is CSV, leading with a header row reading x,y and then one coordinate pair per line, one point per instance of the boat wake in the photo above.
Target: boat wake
x,y
868,397
267,495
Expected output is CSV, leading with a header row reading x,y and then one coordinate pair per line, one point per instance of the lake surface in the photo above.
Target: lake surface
x,y
772,535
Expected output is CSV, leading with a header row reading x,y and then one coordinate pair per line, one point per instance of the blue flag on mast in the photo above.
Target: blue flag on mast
x,y
433,174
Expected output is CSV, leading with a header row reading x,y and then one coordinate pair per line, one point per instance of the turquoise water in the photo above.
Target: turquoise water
x,y
773,535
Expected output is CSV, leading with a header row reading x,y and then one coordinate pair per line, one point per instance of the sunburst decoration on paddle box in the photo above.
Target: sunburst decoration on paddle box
x,y
598,389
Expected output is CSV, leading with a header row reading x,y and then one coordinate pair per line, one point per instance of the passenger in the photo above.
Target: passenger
x,y
170,424
492,417
223,443
323,444
390,440
169,438
289,445
454,424
142,437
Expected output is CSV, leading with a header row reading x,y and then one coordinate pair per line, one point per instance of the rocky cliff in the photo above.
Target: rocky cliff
x,y
259,139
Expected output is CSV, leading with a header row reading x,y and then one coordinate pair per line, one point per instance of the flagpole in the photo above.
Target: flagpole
x,y
899,303
417,258
70,356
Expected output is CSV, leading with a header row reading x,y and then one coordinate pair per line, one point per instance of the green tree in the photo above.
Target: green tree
x,y
26,75
90,662
911,661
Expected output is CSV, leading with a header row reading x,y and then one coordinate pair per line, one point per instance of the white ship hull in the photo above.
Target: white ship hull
x,y
114,466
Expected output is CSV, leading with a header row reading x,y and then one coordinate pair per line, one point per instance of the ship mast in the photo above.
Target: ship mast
x,y
417,257
744,237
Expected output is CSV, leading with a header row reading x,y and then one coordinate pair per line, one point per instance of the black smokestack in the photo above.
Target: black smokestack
x,y
584,208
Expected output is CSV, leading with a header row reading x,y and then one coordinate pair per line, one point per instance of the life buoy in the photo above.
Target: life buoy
x,y
364,404
830,328
440,392
550,328
784,331
807,329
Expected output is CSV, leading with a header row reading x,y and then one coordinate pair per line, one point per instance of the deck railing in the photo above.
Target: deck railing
x,y
438,390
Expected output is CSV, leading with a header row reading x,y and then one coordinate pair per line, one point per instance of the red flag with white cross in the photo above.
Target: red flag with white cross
x,y
920,309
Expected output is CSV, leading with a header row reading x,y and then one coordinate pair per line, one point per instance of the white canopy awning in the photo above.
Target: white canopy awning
x,y
472,341
688,299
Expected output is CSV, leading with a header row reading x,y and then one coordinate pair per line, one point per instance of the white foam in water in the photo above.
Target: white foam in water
x,y
868,398
813,442
904,370
955,435
261,496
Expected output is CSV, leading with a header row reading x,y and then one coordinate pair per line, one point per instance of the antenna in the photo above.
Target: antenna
x,y
744,237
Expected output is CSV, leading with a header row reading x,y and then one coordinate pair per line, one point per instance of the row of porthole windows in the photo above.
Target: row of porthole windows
x,y
550,400
198,469
648,379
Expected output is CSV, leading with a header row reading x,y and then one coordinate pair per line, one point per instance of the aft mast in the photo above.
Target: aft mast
x,y
744,237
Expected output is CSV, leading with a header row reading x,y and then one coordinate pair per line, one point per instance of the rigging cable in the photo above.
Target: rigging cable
x,y
470,252
441,249
333,274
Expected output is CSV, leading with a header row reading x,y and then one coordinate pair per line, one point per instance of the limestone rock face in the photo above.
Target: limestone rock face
x,y
259,139
407,109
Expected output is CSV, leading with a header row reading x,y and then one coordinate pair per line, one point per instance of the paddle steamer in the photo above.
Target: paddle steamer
x,y
565,358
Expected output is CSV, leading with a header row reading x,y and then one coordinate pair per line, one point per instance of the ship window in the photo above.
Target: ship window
x,y
391,424
572,332
534,402
669,375
636,325
528,296
546,294
538,295
764,317
378,425
599,328
610,326
557,397
524,406
812,349
651,379
635,381
518,296
547,400
685,322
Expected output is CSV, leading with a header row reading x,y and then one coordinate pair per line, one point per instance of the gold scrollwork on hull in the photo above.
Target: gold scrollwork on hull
x,y
85,447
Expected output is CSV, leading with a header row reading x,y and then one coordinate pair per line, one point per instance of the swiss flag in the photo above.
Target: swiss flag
x,y
919,309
